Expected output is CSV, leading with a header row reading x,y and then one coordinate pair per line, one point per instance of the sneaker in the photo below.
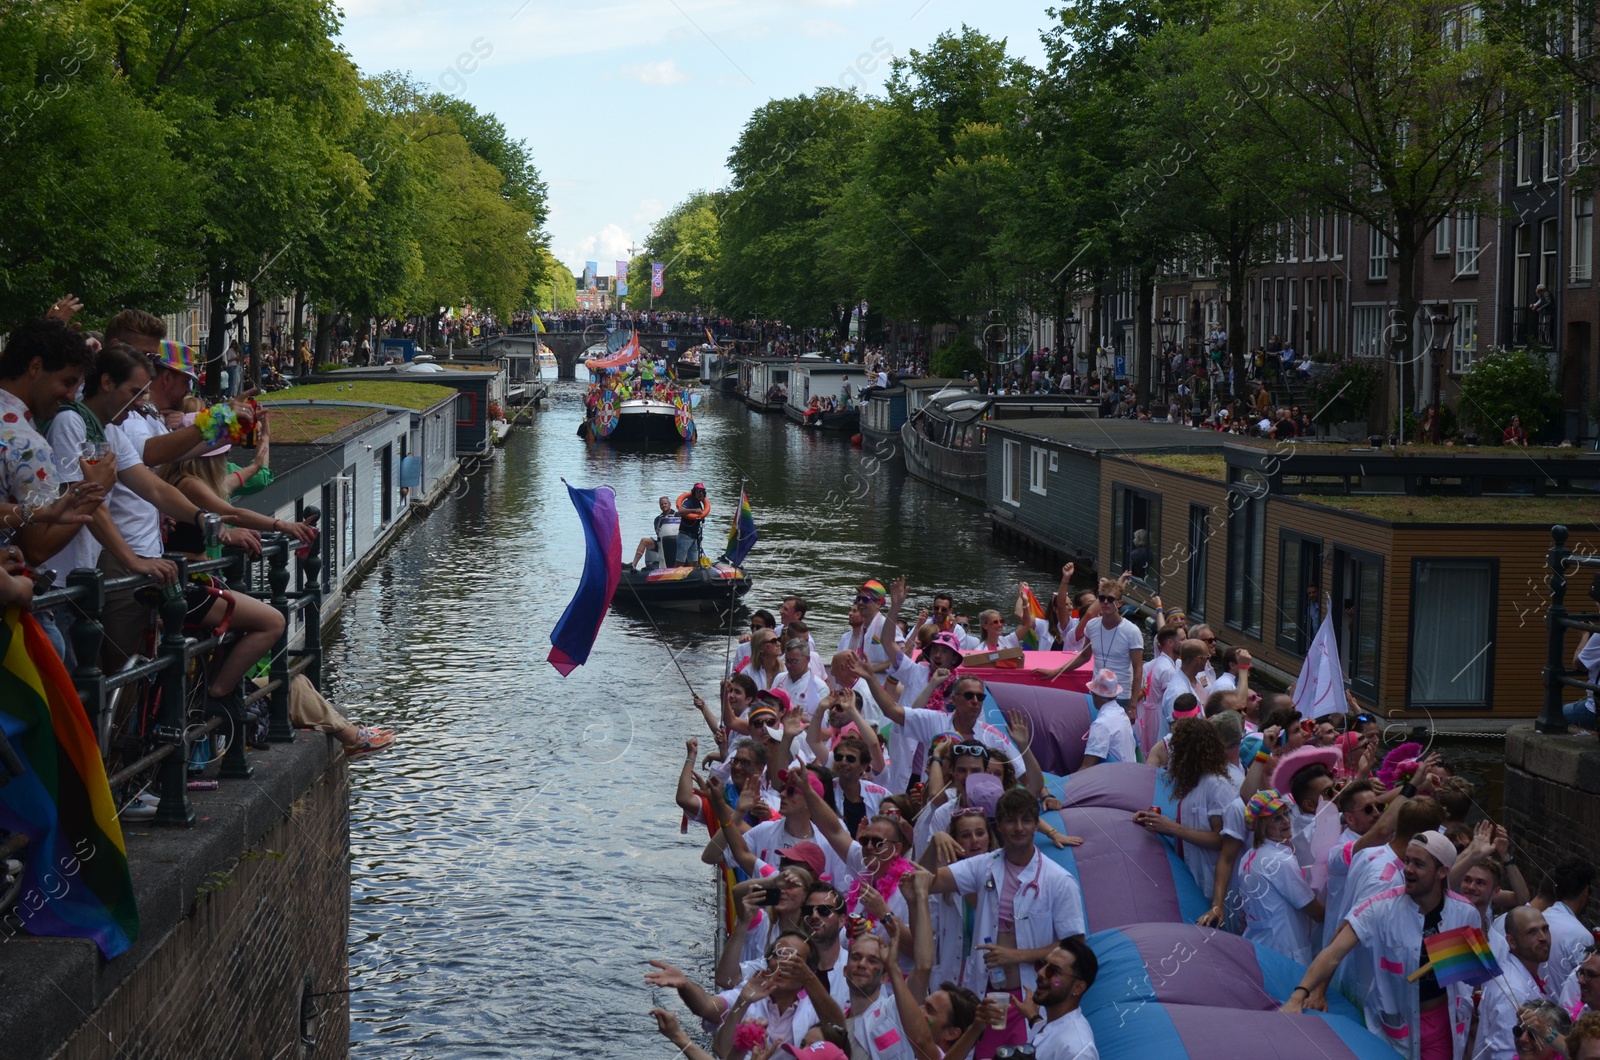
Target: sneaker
x,y
142,808
369,740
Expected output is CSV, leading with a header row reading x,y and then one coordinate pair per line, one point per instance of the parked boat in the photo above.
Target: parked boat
x,y
946,443
719,370
883,413
691,588
825,393
623,408
764,382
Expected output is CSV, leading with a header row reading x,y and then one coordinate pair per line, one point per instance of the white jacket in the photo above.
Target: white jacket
x,y
1389,924
1047,908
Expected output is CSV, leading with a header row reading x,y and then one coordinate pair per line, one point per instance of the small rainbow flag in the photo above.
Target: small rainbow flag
x,y
1461,956
1030,632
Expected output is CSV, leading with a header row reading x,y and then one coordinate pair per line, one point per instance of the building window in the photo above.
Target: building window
x,y
1465,339
1300,602
1452,633
1135,532
1467,243
1549,248
347,510
1522,267
1038,467
1582,236
1199,538
1550,147
1336,332
1011,477
1441,237
1338,237
466,409
1378,256
1358,616
1367,338
1246,558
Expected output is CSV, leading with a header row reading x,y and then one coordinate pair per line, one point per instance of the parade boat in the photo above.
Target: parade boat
x,y
628,406
699,587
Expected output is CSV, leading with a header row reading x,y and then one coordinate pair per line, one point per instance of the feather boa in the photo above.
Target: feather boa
x,y
1400,764
938,699
887,883
749,1036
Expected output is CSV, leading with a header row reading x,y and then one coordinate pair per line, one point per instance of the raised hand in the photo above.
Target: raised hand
x,y
1017,722
667,976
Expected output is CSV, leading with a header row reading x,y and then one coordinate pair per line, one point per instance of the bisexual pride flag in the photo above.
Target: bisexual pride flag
x,y
742,534
575,634
75,876
1461,956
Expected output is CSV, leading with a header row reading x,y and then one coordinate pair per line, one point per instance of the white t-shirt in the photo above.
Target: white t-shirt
x,y
868,641
1209,799
1111,735
67,435
878,1033
1225,682
1275,891
1111,648
769,837
1178,684
137,519
1589,658
805,693
1067,1038
785,1027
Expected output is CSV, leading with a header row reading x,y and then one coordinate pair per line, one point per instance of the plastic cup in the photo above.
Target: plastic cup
x,y
1003,999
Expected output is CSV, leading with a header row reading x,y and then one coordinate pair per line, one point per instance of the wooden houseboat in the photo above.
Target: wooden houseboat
x,y
816,383
764,382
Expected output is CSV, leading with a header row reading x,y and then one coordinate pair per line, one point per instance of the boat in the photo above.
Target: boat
x,y
764,382
619,410
718,371
946,444
823,394
700,587
883,413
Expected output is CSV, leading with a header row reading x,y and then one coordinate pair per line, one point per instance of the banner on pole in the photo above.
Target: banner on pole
x,y
658,272
622,278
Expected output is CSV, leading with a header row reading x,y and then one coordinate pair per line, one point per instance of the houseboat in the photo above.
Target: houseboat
x,y
1432,562
884,410
944,443
478,388
825,393
764,382
719,371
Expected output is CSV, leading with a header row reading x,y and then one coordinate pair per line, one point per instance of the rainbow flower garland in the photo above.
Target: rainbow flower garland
x,y
219,423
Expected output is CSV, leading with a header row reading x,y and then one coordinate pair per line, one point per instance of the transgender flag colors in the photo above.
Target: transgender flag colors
x,y
75,880
575,633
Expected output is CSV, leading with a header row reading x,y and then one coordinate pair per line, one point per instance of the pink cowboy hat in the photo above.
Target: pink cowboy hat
x,y
1304,758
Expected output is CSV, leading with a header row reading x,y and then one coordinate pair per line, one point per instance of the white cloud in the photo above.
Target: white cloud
x,y
662,73
648,211
605,248
822,27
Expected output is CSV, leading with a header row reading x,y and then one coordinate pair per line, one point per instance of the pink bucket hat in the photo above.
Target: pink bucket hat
x,y
1105,685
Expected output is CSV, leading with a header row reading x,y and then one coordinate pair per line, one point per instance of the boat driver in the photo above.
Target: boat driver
x,y
693,507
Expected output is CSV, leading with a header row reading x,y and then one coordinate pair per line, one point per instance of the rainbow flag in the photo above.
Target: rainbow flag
x,y
1461,956
1030,632
75,881
574,635
742,534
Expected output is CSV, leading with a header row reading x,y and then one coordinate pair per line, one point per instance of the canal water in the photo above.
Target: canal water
x,y
517,858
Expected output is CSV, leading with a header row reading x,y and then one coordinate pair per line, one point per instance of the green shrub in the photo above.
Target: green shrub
x,y
1503,384
955,358
1346,391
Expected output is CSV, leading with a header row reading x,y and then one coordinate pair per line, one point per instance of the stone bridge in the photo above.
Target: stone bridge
x,y
569,346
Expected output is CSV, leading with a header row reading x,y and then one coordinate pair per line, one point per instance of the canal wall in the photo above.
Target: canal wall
x,y
1552,801
242,936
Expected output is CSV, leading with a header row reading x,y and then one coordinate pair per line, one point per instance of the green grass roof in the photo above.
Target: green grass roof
x,y
416,396
304,424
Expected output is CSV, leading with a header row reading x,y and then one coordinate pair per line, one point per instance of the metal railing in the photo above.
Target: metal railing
x,y
1552,719
265,578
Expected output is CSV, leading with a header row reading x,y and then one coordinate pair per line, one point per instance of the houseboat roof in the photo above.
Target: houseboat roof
x,y
319,422
1111,436
934,382
365,391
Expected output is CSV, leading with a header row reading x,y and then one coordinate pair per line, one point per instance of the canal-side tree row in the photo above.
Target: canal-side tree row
x,y
1155,130
159,147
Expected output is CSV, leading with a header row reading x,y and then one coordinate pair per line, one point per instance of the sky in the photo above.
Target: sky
x,y
629,106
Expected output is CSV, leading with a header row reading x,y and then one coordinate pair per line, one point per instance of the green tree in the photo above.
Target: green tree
x,y
688,240
1504,384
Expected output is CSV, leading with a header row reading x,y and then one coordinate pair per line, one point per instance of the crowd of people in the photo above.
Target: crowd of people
x,y
882,843
108,461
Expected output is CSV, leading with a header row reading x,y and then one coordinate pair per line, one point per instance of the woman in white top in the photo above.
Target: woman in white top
x,y
970,834
1279,904
766,659
1200,782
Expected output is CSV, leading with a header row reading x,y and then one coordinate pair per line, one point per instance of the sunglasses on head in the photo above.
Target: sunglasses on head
x,y
966,811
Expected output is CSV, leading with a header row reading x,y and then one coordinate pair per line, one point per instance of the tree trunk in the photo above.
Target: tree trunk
x,y
253,317
1143,339
1402,333
298,332
217,339
324,336
1236,288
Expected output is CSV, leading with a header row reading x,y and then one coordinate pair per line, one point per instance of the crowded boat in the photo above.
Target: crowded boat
x,y
1034,832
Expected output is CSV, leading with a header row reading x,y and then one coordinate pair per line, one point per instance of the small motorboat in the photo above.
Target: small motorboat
x,y
699,587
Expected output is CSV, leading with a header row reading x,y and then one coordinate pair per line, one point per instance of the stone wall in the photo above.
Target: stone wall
x,y
243,932
1552,802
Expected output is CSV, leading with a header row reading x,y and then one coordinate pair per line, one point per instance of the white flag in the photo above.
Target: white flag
x,y
1320,687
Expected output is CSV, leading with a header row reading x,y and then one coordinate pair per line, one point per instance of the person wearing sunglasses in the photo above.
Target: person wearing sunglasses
x,y
866,634
1113,642
823,917
1063,976
855,798
1581,992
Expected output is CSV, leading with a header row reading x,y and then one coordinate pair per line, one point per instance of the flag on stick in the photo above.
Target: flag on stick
x,y
742,534
1319,690
574,635
75,877
1030,632
1458,956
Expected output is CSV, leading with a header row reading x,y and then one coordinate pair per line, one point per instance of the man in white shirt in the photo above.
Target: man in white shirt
x,y
923,726
1191,660
1064,975
1525,977
868,627
1111,734
1114,643
804,689
1571,884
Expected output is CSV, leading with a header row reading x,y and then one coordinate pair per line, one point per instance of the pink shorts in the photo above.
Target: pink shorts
x,y
1436,1042
1015,1033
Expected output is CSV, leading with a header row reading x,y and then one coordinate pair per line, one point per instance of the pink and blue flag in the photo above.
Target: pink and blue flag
x,y
576,632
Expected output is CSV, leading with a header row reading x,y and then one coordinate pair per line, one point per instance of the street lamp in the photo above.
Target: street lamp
x,y
1168,329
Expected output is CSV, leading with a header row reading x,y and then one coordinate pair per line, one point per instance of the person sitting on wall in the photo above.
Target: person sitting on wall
x,y
1514,434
